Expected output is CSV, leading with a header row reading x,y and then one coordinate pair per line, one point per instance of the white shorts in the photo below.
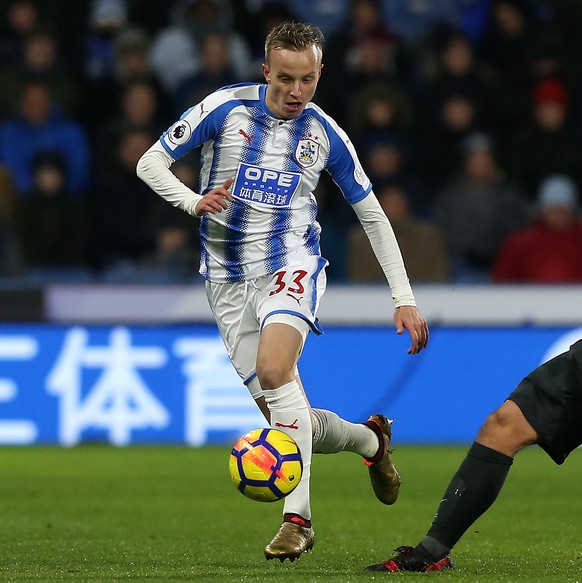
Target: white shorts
x,y
241,310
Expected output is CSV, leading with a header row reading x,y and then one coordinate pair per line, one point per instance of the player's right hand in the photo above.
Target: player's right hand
x,y
215,201
409,318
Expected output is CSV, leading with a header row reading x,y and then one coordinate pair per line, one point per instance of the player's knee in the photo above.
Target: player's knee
x,y
506,430
272,375
495,424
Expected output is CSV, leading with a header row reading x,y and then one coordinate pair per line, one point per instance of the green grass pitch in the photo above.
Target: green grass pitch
x,y
98,513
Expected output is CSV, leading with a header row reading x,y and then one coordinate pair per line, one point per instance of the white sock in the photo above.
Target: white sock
x,y
290,414
331,434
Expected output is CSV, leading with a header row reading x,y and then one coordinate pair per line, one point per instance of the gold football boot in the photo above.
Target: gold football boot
x,y
383,474
290,542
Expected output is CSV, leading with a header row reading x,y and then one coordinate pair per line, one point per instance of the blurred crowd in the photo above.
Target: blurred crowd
x,y
466,115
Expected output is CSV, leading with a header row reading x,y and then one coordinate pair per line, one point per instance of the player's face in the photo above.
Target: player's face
x,y
292,77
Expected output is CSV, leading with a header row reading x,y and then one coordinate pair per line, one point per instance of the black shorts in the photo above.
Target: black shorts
x,y
550,397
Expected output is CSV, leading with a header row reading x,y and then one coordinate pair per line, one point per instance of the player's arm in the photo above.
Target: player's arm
x,y
154,169
385,246
348,174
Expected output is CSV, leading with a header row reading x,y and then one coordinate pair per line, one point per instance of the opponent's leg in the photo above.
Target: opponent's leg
x,y
481,476
472,490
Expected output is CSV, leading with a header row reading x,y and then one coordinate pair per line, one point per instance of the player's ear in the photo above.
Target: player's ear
x,y
266,73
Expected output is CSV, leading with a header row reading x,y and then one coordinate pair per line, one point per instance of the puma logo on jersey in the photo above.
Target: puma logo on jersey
x,y
202,112
246,136
292,426
298,300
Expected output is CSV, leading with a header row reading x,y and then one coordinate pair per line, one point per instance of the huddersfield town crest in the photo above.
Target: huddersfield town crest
x,y
307,152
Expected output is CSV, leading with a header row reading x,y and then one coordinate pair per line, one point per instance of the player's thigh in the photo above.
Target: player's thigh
x,y
279,349
550,397
232,308
507,430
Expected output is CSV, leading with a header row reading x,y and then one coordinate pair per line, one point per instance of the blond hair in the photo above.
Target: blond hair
x,y
295,36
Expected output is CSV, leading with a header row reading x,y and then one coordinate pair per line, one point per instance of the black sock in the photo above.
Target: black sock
x,y
470,493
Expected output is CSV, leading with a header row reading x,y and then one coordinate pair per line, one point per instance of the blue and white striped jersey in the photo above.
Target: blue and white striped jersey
x,y
276,165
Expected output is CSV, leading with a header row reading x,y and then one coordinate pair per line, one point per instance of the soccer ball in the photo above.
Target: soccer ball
x,y
265,465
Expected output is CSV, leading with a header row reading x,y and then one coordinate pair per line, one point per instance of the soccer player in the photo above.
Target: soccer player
x,y
545,408
264,147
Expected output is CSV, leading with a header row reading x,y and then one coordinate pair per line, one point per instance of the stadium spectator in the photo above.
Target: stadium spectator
x,y
381,121
507,47
544,409
560,53
362,51
261,253
327,16
363,21
216,70
106,19
378,110
545,144
52,221
421,242
550,249
139,107
122,237
455,118
414,22
175,256
18,19
390,161
102,94
255,22
477,210
42,61
88,52
40,125
508,43
192,20
149,16
456,70
383,160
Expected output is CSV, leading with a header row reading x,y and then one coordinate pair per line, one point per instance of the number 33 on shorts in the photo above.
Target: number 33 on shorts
x,y
298,290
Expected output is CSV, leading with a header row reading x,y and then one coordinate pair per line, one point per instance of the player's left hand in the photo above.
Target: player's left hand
x,y
214,201
409,318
